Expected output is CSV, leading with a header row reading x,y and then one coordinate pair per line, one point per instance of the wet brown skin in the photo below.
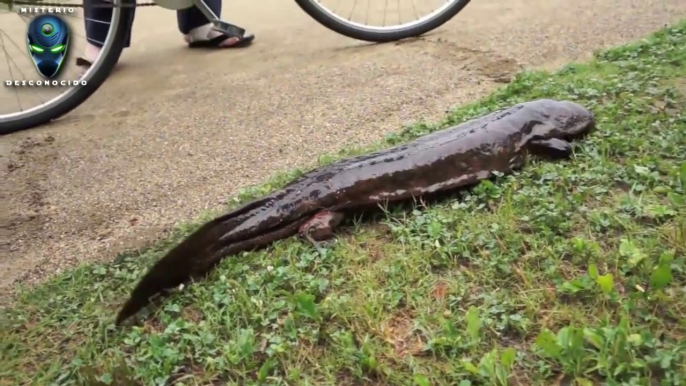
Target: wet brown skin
x,y
312,205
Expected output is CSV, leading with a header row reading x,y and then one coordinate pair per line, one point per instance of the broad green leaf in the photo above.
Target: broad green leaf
x,y
469,366
571,287
305,304
667,256
508,357
570,338
641,170
450,330
369,362
633,254
661,276
635,339
596,339
473,322
606,283
421,380
547,342
265,369
563,338
593,271
583,382
487,364
106,378
676,199
246,342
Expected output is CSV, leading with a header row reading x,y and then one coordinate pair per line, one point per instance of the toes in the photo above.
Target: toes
x,y
229,42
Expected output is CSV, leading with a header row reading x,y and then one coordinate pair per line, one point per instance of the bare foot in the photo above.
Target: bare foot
x,y
90,55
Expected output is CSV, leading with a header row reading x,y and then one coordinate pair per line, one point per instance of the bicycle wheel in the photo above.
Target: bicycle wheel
x,y
330,18
64,99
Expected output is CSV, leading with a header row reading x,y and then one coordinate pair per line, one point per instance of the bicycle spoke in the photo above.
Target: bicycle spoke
x,y
16,65
350,15
97,21
399,13
7,54
384,14
7,58
414,8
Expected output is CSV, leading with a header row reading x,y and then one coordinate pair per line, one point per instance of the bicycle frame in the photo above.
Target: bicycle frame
x,y
217,23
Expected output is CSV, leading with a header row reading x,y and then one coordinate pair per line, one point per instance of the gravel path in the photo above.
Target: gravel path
x,y
176,132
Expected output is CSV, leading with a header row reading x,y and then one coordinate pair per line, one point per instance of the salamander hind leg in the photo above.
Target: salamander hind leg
x,y
551,148
320,227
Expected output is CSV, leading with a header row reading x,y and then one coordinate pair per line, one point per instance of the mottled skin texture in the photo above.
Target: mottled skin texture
x,y
312,205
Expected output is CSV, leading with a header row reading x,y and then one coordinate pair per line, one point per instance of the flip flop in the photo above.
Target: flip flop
x,y
83,65
82,62
244,39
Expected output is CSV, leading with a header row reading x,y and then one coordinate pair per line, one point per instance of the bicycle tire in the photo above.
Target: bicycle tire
x,y
81,93
369,35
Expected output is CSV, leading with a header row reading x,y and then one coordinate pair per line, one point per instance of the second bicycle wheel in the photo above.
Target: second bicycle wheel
x,y
371,20
36,103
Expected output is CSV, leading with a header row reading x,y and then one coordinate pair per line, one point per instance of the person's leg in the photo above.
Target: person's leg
x,y
198,30
97,20
191,18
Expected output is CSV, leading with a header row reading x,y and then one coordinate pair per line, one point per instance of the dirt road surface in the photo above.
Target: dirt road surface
x,y
175,131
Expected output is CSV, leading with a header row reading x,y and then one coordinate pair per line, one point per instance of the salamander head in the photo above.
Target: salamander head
x,y
570,120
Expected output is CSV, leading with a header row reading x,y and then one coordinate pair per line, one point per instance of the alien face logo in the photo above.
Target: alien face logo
x,y
48,41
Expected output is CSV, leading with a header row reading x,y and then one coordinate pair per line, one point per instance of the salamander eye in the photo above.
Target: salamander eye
x,y
57,48
36,48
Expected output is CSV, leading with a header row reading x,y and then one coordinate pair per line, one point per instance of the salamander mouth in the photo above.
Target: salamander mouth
x,y
581,133
580,123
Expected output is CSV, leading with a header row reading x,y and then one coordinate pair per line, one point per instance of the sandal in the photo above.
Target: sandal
x,y
83,62
232,31
83,65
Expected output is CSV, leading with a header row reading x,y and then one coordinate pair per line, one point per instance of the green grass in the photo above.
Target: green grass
x,y
567,272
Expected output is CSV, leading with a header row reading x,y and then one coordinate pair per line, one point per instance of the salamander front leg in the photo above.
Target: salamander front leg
x,y
551,148
320,227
